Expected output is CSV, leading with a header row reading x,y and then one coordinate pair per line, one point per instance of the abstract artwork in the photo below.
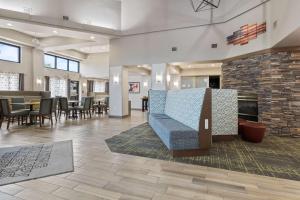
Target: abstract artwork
x,y
134,87
246,33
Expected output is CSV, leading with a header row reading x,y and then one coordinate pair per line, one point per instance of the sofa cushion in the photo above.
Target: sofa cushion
x,y
185,106
175,135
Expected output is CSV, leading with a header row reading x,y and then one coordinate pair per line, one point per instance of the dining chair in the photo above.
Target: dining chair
x,y
106,104
85,108
45,111
17,100
64,107
54,107
5,112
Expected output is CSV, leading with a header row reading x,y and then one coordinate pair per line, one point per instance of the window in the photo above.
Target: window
x,y
56,62
49,61
58,87
9,52
62,63
73,66
9,81
99,86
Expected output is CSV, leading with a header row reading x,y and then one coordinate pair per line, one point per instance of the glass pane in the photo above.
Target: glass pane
x,y
73,66
9,53
62,64
49,61
9,81
58,87
99,86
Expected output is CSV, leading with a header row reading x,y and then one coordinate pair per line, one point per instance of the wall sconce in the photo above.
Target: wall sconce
x,y
116,79
39,81
145,84
158,78
168,78
84,84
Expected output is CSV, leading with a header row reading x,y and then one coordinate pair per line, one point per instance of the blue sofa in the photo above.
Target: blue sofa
x,y
183,119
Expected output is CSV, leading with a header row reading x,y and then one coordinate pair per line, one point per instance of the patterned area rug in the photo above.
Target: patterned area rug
x,y
276,156
36,161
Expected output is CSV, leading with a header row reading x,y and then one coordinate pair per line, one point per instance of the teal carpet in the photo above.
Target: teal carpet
x,y
276,156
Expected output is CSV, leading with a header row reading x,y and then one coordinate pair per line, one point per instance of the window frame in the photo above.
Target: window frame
x,y
19,52
54,61
68,62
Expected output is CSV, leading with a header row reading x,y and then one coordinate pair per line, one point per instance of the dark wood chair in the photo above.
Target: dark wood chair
x,y
45,111
6,112
85,108
64,107
54,107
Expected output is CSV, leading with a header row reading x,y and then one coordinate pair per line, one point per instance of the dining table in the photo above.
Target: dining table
x,y
26,104
31,105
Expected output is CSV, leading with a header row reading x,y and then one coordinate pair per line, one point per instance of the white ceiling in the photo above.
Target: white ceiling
x,y
140,16
136,16
81,41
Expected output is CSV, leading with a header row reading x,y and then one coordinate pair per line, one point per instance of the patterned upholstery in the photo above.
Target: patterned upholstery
x,y
157,101
175,115
185,106
224,112
175,135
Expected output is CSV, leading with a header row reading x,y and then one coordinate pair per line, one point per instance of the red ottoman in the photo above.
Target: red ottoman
x,y
240,125
253,132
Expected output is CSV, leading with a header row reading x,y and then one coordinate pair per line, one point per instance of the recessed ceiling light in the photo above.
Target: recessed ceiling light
x,y
92,37
55,31
9,24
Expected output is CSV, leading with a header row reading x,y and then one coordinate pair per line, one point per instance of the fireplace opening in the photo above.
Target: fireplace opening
x,y
248,107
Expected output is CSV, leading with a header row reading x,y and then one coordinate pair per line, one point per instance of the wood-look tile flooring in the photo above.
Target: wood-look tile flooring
x,y
101,174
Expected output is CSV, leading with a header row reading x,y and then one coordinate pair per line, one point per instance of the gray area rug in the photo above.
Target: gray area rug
x,y
35,161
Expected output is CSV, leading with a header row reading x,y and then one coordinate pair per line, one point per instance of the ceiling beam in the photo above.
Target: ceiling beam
x,y
16,37
56,23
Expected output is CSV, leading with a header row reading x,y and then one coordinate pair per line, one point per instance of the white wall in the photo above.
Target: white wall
x,y
194,44
152,15
136,99
96,66
24,67
287,15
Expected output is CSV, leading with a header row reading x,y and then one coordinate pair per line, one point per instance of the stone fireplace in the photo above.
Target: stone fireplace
x,y
274,76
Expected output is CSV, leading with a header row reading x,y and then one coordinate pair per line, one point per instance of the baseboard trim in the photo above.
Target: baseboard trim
x,y
118,117
223,138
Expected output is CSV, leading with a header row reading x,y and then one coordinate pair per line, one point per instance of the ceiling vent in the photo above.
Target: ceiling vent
x,y
214,46
66,18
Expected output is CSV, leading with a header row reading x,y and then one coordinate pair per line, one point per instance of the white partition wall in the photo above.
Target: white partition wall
x,y
118,91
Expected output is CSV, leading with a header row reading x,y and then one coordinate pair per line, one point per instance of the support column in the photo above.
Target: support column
x,y
158,77
118,91
37,70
